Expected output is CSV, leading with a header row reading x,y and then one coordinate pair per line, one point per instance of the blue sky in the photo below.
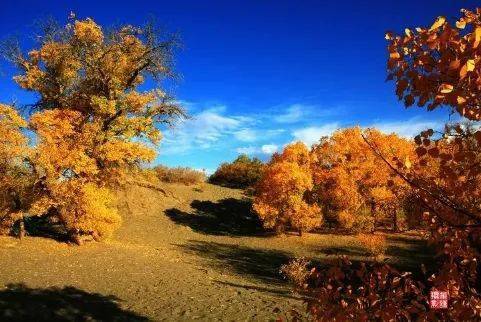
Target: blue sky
x,y
257,75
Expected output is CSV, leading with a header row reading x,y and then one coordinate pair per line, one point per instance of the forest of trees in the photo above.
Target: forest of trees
x,y
339,182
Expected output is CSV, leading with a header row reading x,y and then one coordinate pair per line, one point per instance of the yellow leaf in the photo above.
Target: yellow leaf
x,y
407,31
461,100
446,88
438,23
477,37
461,24
470,65
407,163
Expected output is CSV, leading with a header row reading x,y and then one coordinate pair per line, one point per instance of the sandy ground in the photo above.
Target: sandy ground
x,y
182,254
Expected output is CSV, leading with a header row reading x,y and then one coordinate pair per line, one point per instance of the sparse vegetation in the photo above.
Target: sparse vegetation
x,y
182,175
243,172
296,271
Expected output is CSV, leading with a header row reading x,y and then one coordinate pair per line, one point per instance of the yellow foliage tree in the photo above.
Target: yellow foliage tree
x,y
352,183
92,122
282,194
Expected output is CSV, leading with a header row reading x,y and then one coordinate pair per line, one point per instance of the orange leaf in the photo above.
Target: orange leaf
x,y
454,64
394,55
463,71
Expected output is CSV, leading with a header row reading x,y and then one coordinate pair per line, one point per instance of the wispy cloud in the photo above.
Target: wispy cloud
x,y
203,131
246,135
292,114
252,135
300,113
312,134
269,148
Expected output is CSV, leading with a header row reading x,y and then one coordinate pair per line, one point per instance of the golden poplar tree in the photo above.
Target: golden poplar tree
x,y
92,121
282,194
352,184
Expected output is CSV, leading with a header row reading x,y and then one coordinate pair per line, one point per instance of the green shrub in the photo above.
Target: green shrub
x,y
242,173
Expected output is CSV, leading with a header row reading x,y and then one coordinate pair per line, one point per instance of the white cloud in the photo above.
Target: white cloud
x,y
409,128
294,113
269,148
264,149
311,135
297,113
202,131
252,135
246,135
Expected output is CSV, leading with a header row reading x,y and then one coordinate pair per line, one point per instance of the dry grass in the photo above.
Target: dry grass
x,y
375,245
182,175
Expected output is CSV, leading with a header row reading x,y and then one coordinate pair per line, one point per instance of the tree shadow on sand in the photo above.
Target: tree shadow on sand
x,y
21,303
227,217
402,253
253,263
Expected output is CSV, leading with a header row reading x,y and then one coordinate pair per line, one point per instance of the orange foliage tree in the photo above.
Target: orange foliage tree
x,y
92,121
352,185
283,193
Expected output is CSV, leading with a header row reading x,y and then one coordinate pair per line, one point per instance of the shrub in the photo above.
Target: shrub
x,y
363,292
296,271
85,209
185,176
242,173
375,245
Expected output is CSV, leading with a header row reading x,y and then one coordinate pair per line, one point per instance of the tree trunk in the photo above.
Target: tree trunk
x,y
395,223
21,228
74,236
